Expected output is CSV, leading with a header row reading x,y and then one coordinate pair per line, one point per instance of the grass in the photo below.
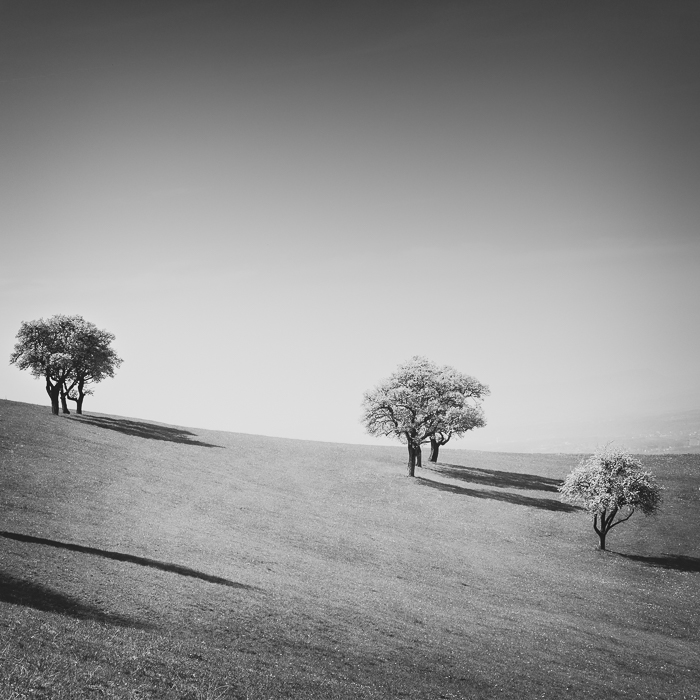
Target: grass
x,y
139,560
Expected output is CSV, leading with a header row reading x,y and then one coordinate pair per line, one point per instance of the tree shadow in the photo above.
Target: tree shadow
x,y
514,498
33,595
131,558
144,430
677,562
492,477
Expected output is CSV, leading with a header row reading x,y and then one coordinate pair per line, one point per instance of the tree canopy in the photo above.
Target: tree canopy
x,y
422,402
68,353
92,359
611,485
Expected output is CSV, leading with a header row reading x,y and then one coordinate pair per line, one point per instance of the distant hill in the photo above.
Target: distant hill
x,y
675,432
139,559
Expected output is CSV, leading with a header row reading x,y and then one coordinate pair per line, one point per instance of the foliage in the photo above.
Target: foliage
x,y
92,359
459,408
611,484
43,348
423,401
68,352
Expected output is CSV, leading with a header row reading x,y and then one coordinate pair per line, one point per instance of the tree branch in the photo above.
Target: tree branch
x,y
622,520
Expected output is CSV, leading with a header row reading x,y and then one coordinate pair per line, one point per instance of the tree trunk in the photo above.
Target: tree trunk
x,y
434,449
81,396
419,456
411,459
602,531
54,394
64,403
53,391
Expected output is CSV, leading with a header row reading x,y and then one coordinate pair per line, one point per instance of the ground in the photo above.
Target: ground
x,y
140,560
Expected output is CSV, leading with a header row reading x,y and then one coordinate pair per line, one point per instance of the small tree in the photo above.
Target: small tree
x,y
68,353
92,359
611,484
456,422
459,411
421,402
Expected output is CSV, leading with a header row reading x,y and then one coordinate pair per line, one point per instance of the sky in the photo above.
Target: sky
x,y
273,204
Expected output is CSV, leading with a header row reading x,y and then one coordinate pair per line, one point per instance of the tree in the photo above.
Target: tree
x,y
459,410
42,348
68,353
423,402
92,359
611,485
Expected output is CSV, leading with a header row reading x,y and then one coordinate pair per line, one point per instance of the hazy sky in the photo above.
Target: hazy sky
x,y
272,204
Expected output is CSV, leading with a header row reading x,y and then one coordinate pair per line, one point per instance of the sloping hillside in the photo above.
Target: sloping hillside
x,y
144,560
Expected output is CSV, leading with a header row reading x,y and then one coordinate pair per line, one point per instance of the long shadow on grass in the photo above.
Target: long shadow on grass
x,y
118,556
144,430
492,477
515,498
678,562
33,595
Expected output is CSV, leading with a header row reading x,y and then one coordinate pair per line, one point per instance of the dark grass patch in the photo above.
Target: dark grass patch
x,y
65,658
514,498
18,591
149,431
120,556
675,562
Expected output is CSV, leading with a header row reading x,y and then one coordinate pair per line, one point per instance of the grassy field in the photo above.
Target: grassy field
x,y
139,560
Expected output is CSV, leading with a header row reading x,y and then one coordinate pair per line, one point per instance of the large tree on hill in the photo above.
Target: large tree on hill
x,y
67,352
611,485
423,402
42,349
